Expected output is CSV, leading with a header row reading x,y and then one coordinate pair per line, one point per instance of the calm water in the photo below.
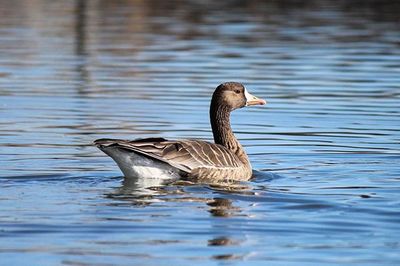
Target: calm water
x,y
326,147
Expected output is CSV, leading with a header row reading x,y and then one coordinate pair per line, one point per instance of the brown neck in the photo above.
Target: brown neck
x,y
222,131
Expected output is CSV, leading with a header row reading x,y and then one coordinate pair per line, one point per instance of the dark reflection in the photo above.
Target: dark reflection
x,y
227,257
80,27
223,241
185,17
81,46
233,188
222,207
378,10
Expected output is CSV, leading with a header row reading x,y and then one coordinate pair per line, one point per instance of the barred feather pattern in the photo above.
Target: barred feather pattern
x,y
200,160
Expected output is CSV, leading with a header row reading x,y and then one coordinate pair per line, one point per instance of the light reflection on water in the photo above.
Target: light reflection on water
x,y
326,147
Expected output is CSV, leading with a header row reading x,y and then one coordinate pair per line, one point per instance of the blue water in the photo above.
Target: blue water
x,y
325,148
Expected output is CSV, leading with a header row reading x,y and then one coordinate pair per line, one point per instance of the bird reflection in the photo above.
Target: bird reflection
x,y
141,185
144,192
223,241
222,207
226,257
137,191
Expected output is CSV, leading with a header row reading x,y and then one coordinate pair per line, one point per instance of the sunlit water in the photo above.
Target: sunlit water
x,y
326,146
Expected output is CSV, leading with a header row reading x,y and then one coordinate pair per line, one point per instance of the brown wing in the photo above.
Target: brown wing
x,y
185,155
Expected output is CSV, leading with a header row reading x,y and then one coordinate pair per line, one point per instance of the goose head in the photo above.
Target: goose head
x,y
233,95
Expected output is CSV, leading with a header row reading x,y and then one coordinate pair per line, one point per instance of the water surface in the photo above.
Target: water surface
x,y
326,147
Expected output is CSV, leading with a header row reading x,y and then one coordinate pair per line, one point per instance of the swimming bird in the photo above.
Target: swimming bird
x,y
223,160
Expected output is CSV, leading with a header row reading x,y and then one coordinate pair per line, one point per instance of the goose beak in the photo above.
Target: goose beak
x,y
253,100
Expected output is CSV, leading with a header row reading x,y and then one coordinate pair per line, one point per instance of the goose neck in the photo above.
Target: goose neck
x,y
222,131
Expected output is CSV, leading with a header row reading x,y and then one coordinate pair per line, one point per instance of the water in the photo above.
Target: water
x,y
326,147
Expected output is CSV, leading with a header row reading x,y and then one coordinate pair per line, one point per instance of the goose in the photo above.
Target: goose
x,y
195,160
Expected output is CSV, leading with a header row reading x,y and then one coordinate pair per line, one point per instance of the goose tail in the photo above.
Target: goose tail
x,y
137,165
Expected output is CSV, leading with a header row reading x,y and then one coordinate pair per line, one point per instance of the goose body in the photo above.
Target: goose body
x,y
193,159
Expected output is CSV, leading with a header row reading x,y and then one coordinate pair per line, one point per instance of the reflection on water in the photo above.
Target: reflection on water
x,y
221,207
326,147
143,194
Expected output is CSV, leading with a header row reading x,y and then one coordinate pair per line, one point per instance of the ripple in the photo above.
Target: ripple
x,y
324,149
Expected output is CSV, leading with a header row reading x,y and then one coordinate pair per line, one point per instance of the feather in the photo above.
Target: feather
x,y
185,155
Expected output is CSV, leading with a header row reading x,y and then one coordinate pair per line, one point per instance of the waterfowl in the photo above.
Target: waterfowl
x,y
223,160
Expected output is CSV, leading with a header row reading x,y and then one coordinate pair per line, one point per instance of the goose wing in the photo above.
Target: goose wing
x,y
185,155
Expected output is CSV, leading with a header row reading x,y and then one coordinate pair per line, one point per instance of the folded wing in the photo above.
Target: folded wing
x,y
185,155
